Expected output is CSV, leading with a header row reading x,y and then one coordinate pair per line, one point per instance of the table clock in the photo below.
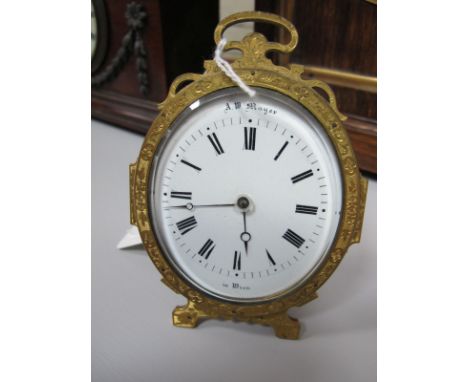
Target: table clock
x,y
246,205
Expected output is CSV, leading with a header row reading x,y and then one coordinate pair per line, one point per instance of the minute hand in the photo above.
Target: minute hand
x,y
190,206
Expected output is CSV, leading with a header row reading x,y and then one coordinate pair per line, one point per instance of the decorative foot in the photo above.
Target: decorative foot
x,y
186,316
189,315
285,326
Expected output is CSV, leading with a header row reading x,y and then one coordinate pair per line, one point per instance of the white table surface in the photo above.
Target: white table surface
x,y
132,334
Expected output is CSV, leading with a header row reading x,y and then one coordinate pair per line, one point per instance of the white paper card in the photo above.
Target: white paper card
x,y
131,239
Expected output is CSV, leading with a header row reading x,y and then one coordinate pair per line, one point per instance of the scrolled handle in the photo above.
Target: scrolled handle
x,y
268,18
187,77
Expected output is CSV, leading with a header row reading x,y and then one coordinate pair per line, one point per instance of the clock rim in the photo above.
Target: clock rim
x,y
353,187
173,262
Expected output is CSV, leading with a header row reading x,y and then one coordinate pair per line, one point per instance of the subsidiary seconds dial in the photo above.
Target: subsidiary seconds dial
x,y
245,195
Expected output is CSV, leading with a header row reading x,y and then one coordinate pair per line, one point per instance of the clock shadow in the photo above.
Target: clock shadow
x,y
137,250
346,303
236,326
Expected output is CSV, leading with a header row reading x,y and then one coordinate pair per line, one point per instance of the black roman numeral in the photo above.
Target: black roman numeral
x,y
207,248
187,225
181,195
281,150
215,142
237,261
293,238
301,209
250,134
191,165
270,259
302,176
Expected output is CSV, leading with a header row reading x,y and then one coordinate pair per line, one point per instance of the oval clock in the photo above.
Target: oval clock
x,y
247,205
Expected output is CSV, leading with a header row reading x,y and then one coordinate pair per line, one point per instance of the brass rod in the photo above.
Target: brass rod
x,y
345,79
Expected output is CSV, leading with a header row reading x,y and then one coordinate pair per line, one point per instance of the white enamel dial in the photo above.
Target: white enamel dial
x,y
245,195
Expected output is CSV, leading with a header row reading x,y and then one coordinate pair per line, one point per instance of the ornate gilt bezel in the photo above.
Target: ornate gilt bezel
x,y
255,69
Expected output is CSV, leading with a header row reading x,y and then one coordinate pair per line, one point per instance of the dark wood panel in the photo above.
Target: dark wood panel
x,y
350,101
126,81
363,135
176,41
338,34
188,35
122,110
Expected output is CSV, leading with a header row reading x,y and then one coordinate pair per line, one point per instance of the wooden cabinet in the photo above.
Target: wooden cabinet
x,y
337,43
148,44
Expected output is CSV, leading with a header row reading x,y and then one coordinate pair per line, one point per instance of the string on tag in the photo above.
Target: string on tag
x,y
228,70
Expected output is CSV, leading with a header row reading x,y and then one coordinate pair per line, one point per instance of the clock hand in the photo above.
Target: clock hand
x,y
244,214
191,206
245,236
